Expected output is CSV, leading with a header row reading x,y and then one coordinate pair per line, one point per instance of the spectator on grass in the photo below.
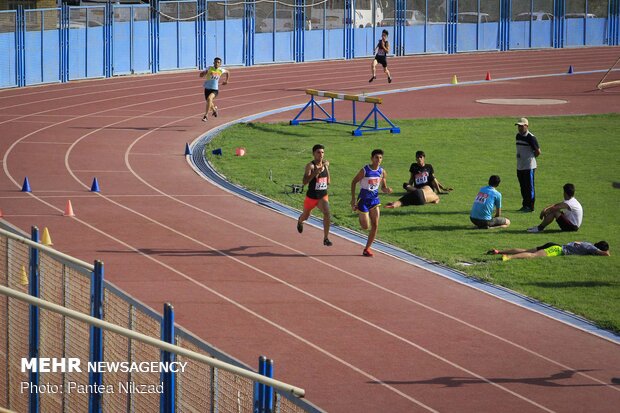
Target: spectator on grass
x,y
568,213
487,200
551,249
527,151
422,177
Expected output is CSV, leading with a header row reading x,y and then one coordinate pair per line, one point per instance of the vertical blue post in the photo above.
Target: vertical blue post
x,y
154,35
259,388
167,401
96,336
268,403
34,332
107,42
19,51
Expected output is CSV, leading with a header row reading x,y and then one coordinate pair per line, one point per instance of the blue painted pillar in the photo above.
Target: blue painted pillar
x,y
33,321
268,401
154,36
167,400
259,389
96,336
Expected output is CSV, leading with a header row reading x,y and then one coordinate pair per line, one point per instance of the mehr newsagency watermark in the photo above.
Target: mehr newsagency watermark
x,y
74,365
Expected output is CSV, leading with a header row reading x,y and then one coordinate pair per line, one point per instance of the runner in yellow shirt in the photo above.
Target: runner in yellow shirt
x,y
211,85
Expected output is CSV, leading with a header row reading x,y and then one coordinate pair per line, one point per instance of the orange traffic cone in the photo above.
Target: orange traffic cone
x,y
23,279
46,239
488,76
69,209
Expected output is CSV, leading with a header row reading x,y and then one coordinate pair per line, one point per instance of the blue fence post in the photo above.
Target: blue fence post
x,y
167,401
613,23
299,28
21,46
96,336
259,388
107,38
268,402
201,33
154,35
34,332
61,43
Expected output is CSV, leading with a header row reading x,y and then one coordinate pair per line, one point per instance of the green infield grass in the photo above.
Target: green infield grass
x,y
582,150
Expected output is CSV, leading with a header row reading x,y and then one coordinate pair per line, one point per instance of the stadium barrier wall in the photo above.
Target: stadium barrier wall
x,y
79,42
55,302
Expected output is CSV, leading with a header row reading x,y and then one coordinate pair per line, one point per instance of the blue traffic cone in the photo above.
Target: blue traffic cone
x,y
95,186
570,69
217,151
187,150
26,185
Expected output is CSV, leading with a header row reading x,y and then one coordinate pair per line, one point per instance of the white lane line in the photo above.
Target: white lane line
x,y
269,275
187,277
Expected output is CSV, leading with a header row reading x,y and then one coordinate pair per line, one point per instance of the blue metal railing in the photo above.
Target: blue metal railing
x,y
45,266
111,47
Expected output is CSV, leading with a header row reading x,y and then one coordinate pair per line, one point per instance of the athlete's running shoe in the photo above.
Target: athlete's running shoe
x,y
327,242
300,227
492,252
204,118
367,252
215,111
389,80
372,78
505,257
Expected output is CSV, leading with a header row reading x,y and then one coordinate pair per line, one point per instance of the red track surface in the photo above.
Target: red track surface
x,y
360,335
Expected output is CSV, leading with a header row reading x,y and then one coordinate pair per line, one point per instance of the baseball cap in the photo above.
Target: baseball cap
x,y
522,121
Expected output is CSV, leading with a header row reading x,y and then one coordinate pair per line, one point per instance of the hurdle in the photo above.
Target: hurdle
x,y
362,127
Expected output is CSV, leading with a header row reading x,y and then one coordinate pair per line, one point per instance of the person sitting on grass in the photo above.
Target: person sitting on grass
x,y
487,200
423,178
568,213
551,249
415,197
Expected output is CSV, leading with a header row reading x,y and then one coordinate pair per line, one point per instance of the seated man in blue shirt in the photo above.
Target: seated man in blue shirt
x,y
487,200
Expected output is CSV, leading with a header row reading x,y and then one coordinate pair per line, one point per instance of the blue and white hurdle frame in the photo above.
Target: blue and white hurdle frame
x,y
362,127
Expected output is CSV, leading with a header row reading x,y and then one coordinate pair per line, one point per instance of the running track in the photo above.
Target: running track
x,y
360,335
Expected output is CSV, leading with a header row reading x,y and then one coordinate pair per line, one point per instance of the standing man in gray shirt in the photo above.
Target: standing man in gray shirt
x,y
527,151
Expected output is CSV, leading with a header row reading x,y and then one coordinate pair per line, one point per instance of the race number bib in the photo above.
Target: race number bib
x,y
321,183
373,184
421,178
481,198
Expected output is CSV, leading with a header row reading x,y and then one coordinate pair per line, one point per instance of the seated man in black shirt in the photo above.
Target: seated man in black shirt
x,y
422,187
422,177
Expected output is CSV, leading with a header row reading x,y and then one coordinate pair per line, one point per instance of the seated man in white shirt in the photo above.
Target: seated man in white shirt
x,y
568,213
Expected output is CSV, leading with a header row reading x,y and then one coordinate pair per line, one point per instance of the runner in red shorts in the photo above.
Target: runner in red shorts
x,y
316,176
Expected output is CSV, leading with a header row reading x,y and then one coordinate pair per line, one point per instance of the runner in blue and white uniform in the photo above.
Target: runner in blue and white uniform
x,y
371,178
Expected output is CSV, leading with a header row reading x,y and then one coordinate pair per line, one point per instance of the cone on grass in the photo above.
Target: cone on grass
x,y
69,209
454,80
23,277
46,239
26,185
95,186
488,76
570,70
187,150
